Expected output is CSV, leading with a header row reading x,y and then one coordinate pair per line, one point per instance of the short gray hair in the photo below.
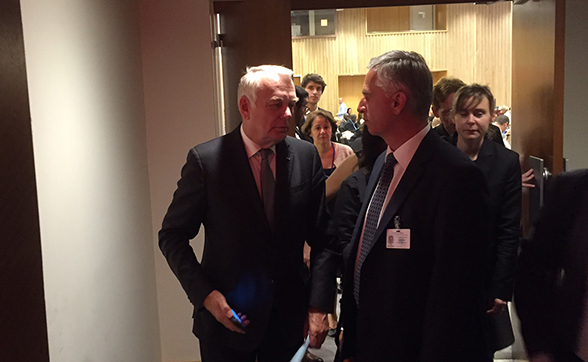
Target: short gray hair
x,y
406,71
250,81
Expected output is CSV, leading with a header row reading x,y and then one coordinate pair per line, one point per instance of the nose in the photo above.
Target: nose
x,y
288,112
361,106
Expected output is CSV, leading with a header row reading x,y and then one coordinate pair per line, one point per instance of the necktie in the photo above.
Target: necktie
x,y
268,185
373,216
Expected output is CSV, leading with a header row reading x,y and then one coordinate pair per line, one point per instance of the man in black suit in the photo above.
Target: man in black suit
x,y
551,286
443,94
259,195
414,284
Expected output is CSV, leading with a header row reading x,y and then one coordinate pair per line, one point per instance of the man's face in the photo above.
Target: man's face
x,y
315,91
472,122
267,123
375,106
444,113
300,110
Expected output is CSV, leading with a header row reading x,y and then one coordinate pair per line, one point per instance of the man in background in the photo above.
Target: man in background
x,y
315,85
443,94
342,109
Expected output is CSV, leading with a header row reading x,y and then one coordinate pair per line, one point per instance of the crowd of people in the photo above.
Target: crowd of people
x,y
420,224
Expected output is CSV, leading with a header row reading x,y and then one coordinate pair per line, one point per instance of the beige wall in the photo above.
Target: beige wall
x,y
477,47
179,114
83,62
576,78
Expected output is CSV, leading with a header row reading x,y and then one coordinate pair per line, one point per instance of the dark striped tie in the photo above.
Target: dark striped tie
x,y
372,219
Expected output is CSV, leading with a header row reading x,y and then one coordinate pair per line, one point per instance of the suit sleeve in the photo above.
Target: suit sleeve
x,y
323,253
507,234
345,215
181,224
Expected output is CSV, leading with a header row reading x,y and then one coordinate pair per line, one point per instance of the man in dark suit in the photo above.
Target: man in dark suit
x,y
414,284
259,196
551,286
443,94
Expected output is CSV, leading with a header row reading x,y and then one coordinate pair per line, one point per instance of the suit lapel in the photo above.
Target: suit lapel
x,y
411,176
284,162
485,158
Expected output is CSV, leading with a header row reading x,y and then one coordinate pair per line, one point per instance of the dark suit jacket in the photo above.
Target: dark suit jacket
x,y
503,177
551,283
426,303
257,270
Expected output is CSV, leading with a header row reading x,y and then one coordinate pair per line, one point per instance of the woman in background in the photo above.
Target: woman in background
x,y
320,125
472,107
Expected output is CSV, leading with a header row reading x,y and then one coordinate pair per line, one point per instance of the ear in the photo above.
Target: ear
x,y
435,112
398,101
244,107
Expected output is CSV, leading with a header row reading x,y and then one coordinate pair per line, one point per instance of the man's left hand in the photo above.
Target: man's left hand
x,y
498,307
318,326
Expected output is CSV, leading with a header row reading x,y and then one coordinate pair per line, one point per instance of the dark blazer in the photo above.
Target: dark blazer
x,y
550,288
425,303
503,177
441,131
261,273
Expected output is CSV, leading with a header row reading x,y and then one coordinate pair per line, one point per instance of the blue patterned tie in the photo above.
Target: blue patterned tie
x,y
268,185
372,219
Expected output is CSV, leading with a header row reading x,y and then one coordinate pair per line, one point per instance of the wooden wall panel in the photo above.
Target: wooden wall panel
x,y
477,47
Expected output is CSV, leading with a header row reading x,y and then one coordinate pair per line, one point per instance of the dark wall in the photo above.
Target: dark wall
x,y
256,32
23,326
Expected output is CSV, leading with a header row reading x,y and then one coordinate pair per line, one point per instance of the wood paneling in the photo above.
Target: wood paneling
x,y
350,87
538,59
476,48
339,4
388,20
247,45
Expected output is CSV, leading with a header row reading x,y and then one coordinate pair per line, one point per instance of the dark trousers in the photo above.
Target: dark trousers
x,y
275,347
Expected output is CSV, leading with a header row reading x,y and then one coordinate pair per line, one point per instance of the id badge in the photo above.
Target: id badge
x,y
398,239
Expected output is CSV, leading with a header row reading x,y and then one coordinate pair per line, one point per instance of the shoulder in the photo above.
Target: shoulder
x,y
574,181
297,145
503,155
448,162
339,147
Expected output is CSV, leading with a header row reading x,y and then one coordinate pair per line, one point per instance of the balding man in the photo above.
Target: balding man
x,y
259,196
414,286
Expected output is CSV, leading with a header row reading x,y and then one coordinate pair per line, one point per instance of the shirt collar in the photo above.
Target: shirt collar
x,y
406,151
251,147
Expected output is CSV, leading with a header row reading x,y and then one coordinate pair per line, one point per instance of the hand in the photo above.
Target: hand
x,y
498,307
217,305
527,177
318,326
